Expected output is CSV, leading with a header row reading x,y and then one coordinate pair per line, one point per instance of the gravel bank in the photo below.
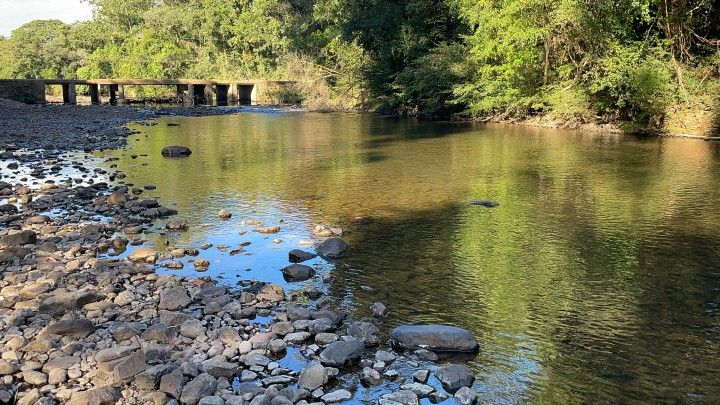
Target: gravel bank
x,y
59,128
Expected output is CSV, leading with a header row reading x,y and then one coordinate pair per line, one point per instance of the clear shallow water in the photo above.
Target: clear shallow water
x,y
597,279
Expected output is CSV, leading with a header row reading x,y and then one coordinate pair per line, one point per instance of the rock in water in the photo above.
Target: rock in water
x,y
439,338
454,377
333,248
484,203
299,256
297,272
313,377
342,353
176,151
378,309
224,214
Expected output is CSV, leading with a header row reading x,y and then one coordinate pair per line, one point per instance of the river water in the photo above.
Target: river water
x,y
596,280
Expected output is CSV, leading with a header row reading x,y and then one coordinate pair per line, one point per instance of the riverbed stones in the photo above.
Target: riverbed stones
x,y
340,395
219,367
455,376
465,396
96,396
378,309
34,377
176,151
143,254
174,298
365,332
172,383
370,377
271,293
129,366
312,377
201,386
402,397
332,249
80,327
21,238
297,272
201,264
61,302
342,353
440,338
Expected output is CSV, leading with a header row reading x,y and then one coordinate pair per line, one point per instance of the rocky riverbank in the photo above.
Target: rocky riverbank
x,y
51,129
82,322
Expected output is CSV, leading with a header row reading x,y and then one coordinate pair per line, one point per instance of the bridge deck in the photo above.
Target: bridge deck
x,y
194,90
143,82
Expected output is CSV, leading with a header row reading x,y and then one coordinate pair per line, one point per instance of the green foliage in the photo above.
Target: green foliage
x,y
634,82
621,59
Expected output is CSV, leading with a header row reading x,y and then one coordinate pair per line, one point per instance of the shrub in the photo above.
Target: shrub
x,y
633,82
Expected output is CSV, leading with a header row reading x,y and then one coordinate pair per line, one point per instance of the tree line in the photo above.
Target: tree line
x,y
629,60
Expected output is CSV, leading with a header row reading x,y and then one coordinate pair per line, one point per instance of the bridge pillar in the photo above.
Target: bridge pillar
x,y
113,94
121,95
94,90
191,94
233,94
209,94
221,93
69,93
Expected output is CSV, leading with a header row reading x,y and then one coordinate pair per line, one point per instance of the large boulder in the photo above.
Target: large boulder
x,y
63,302
342,353
297,272
438,338
176,151
332,248
72,327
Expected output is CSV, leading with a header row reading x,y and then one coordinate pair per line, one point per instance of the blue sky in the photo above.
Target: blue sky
x,y
14,13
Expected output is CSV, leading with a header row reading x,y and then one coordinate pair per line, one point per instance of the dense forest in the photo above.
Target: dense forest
x,y
633,61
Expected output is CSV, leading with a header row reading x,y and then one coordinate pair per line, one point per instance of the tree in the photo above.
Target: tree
x,y
39,49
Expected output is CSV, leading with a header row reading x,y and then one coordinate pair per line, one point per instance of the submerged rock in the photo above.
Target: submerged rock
x,y
333,248
440,338
484,203
176,151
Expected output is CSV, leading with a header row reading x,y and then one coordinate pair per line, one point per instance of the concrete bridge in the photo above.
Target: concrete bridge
x,y
192,92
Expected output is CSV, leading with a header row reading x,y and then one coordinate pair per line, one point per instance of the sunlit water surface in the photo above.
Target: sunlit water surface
x,y
596,280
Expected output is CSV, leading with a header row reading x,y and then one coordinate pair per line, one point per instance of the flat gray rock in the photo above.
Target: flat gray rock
x,y
439,338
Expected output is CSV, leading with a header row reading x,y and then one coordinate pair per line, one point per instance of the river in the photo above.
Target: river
x,y
595,280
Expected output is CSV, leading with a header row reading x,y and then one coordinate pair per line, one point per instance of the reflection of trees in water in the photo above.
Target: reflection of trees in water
x,y
596,267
